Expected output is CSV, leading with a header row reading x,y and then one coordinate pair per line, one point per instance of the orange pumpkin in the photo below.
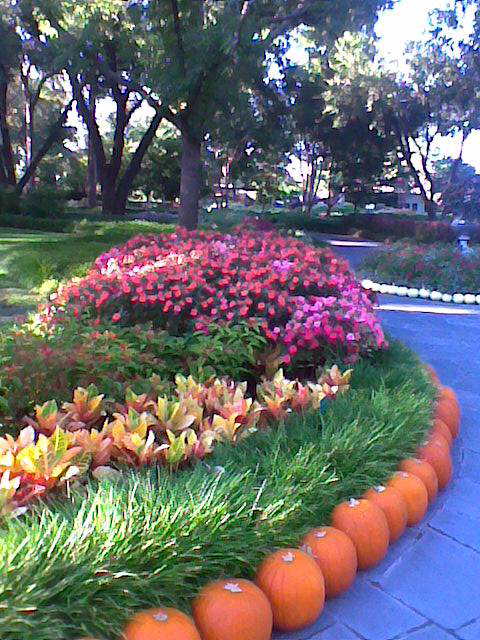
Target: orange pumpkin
x,y
393,505
423,470
294,586
449,394
233,610
336,556
440,440
440,428
448,410
161,624
414,493
367,527
435,453
433,375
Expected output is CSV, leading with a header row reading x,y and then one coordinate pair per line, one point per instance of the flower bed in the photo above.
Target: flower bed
x,y
440,273
304,300
154,539
140,499
58,446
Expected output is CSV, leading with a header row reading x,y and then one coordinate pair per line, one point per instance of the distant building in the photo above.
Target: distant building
x,y
412,201
401,196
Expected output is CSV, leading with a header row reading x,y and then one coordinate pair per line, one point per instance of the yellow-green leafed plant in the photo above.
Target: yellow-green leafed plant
x,y
51,459
173,415
8,489
87,406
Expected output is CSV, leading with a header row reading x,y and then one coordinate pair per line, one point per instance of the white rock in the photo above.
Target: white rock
x,y
469,298
446,297
106,472
402,291
424,293
384,288
393,290
375,286
459,298
367,284
412,293
436,296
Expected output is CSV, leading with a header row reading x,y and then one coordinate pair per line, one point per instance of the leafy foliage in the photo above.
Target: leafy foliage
x,y
440,267
51,365
59,446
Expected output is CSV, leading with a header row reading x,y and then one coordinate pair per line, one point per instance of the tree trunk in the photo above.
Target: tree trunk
x,y
5,139
191,181
92,179
109,196
431,209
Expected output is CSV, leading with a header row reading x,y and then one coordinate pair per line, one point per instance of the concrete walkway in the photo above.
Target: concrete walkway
x,y
428,587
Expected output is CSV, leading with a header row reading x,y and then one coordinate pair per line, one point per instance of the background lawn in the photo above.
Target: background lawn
x,y
33,262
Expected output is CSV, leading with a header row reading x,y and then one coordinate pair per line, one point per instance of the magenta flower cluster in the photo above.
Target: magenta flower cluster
x,y
302,298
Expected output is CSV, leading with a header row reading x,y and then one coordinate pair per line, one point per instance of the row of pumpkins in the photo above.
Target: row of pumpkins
x,y
291,584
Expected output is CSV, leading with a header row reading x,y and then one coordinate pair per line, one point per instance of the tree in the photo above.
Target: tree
x,y
240,147
439,98
160,175
199,55
312,128
461,197
338,119
30,80
95,43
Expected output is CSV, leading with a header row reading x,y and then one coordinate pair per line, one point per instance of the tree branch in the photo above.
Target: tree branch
x,y
178,32
134,166
44,148
91,124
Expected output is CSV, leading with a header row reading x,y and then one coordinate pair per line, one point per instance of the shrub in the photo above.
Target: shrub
x,y
16,221
9,202
441,267
44,202
381,227
304,300
299,220
50,366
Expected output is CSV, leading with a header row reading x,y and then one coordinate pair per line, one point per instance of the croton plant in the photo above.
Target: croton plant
x,y
60,445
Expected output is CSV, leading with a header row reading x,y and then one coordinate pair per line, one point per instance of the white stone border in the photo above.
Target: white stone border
x,y
425,294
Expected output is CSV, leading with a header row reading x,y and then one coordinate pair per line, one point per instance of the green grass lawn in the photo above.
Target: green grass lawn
x,y
83,564
31,262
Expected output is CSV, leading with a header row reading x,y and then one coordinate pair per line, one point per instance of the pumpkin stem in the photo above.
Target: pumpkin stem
x,y
380,488
288,557
353,502
161,617
321,534
233,587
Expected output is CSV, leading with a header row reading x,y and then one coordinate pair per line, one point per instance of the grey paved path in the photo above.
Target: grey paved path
x,y
428,588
